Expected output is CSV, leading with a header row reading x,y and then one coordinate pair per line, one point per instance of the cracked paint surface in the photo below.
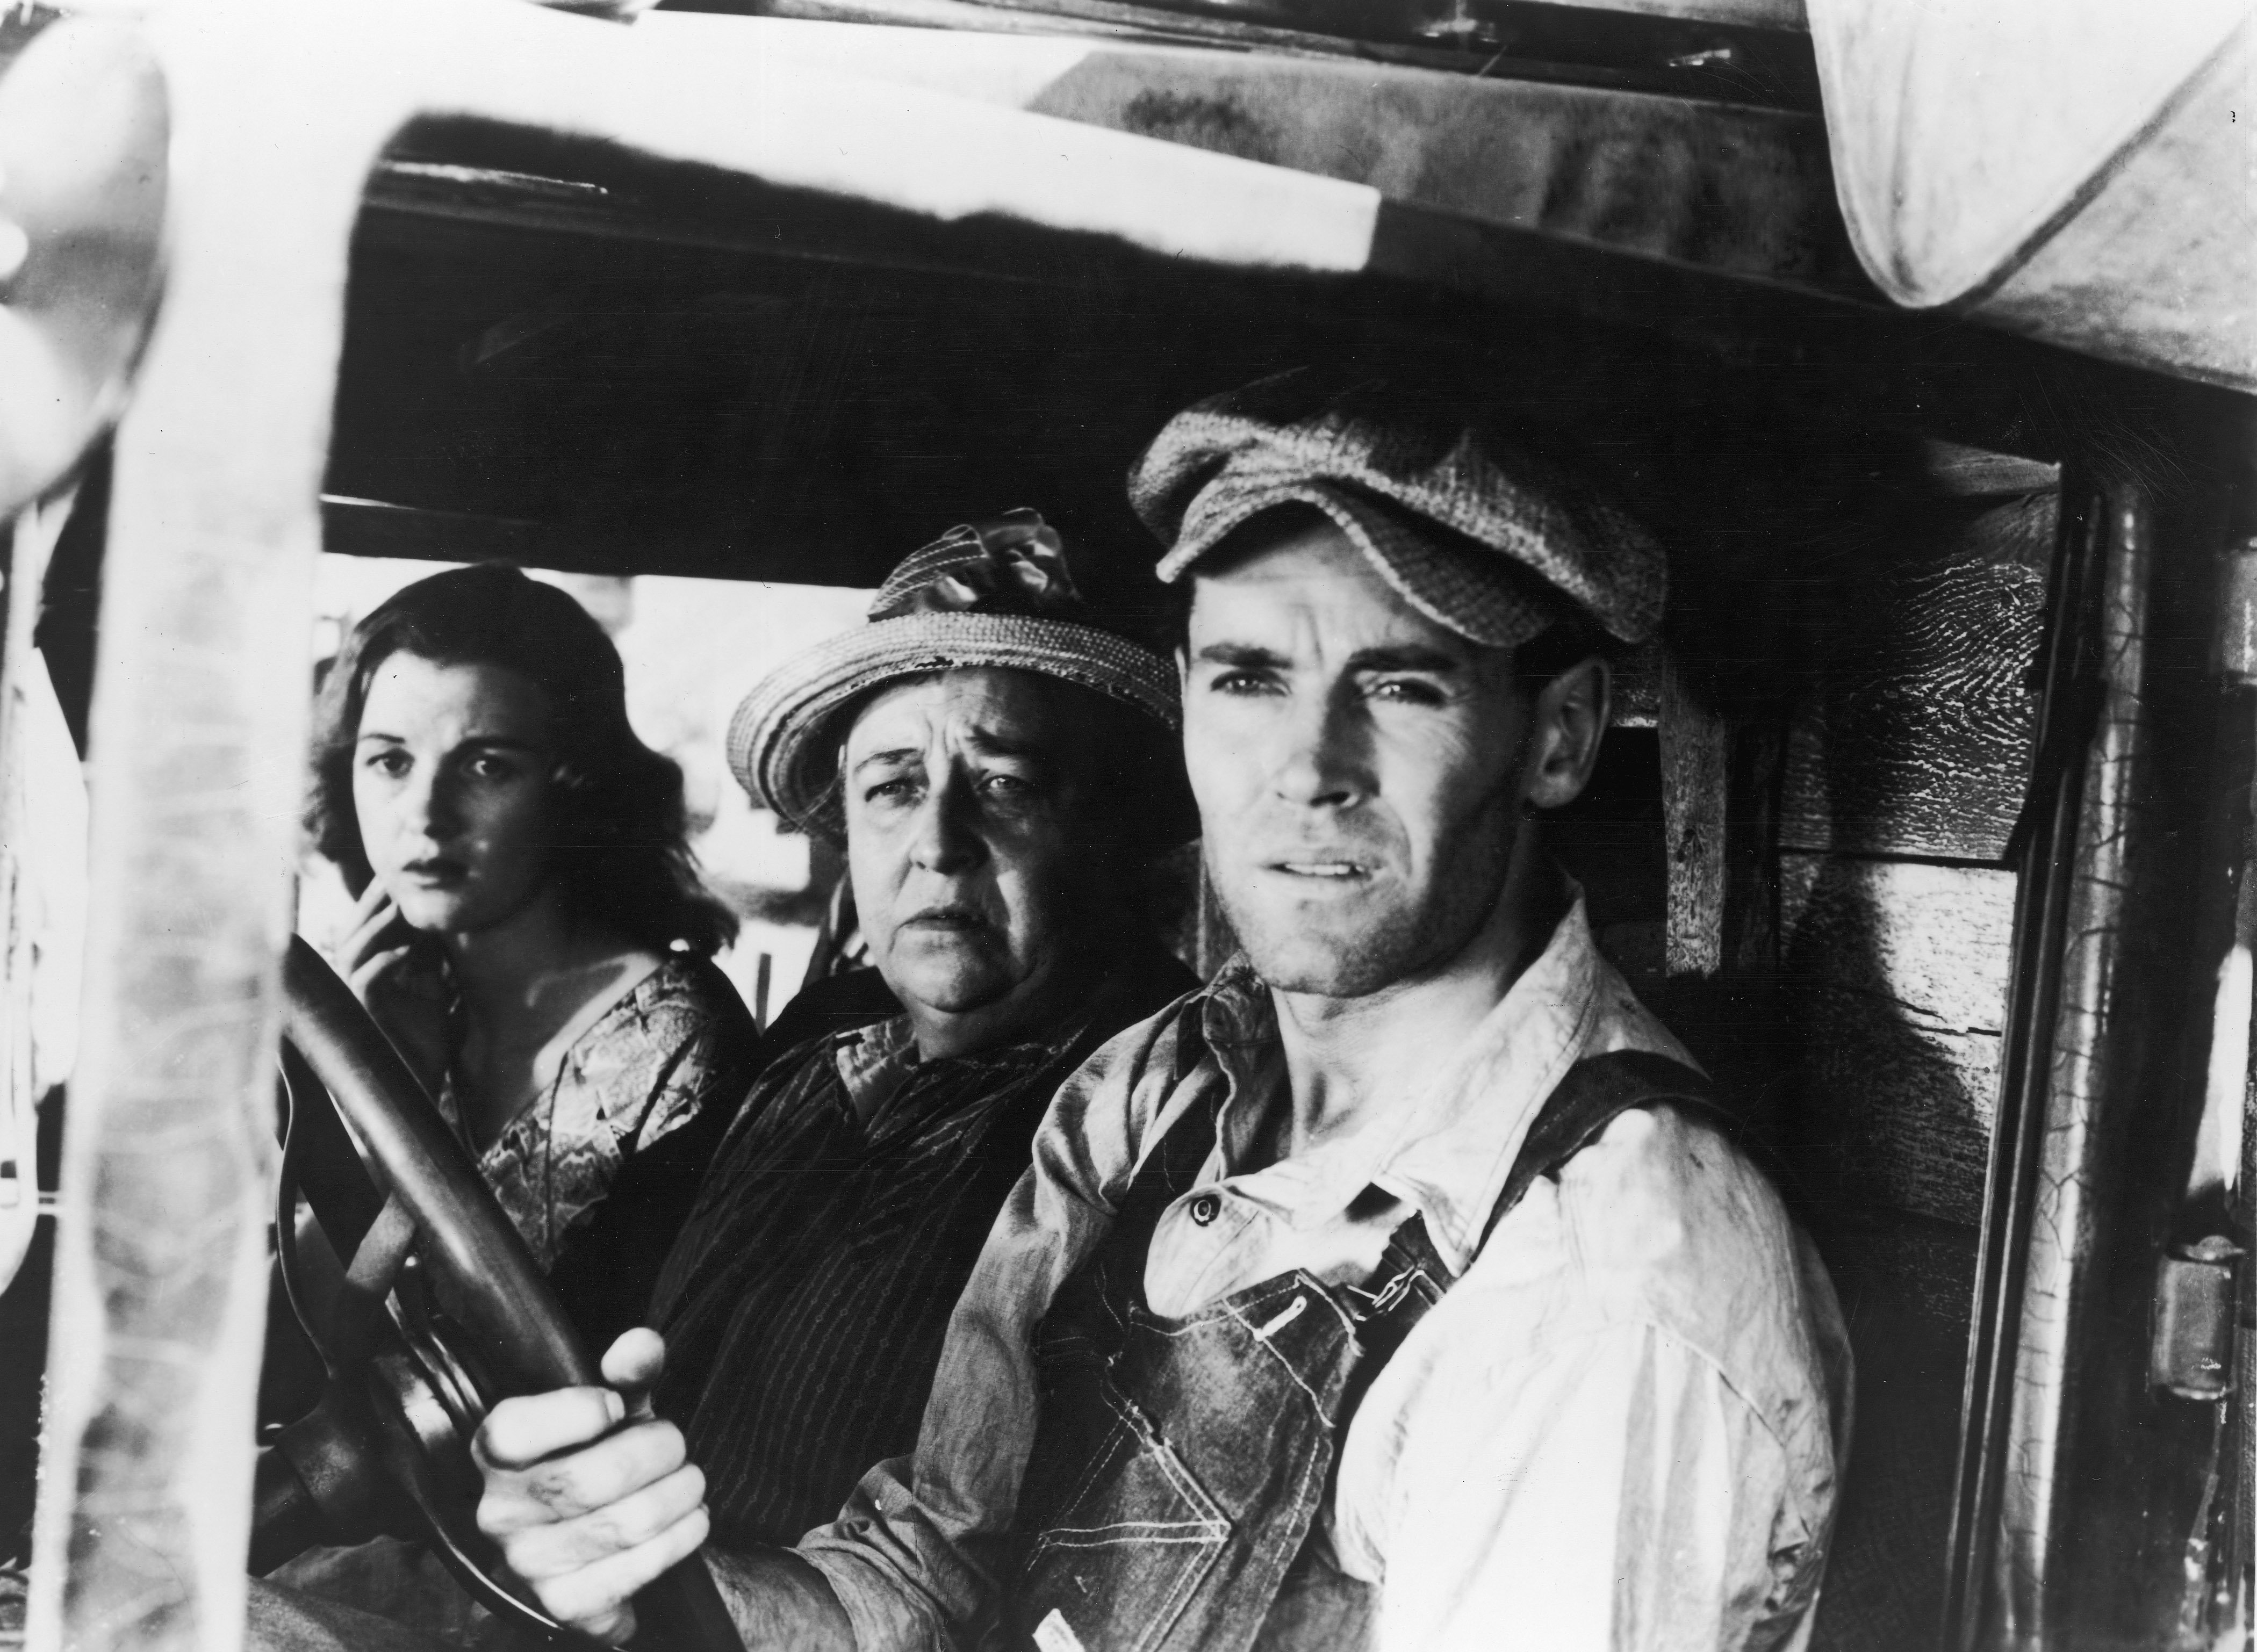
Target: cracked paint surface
x,y
2060,1218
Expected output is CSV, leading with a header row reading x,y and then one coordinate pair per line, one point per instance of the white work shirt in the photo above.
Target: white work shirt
x,y
1621,1429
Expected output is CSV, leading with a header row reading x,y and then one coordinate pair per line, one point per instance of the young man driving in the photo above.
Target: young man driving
x,y
1404,1285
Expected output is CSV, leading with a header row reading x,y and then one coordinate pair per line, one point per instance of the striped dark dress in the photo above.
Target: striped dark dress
x,y
806,1299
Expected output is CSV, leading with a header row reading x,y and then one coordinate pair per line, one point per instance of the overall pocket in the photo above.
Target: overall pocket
x,y
1125,1536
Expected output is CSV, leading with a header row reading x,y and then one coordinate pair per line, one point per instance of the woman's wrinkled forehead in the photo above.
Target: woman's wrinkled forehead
x,y
986,710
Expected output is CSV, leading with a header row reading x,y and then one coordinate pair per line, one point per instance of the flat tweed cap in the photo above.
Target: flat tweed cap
x,y
1520,533
996,593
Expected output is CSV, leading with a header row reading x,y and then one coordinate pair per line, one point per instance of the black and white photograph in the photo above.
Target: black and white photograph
x,y
1128,825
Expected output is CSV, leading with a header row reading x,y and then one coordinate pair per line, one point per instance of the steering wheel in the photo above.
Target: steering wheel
x,y
441,1313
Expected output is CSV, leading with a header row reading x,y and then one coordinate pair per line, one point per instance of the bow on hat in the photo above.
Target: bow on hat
x,y
1012,564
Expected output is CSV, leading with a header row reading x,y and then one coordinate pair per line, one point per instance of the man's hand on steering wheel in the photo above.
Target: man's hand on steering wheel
x,y
589,1496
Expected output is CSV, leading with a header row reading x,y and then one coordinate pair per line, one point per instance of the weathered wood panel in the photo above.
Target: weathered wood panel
x,y
1695,747
1914,735
1894,987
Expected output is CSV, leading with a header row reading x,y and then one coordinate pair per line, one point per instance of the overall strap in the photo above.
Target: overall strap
x,y
1594,1094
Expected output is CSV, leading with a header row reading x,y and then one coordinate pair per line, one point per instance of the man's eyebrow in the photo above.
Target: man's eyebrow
x,y
1245,655
1408,656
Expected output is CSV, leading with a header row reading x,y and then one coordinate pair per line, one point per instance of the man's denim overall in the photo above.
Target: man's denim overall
x,y
1180,1467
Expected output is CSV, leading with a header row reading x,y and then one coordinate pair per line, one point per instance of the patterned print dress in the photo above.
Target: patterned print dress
x,y
598,1171
597,1174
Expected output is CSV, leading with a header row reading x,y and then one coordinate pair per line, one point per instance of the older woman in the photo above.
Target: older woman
x,y
999,761
531,931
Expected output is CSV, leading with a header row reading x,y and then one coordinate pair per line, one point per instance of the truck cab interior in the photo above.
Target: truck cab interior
x,y
1925,822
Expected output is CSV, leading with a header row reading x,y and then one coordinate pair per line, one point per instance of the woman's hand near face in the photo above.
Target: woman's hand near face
x,y
408,1002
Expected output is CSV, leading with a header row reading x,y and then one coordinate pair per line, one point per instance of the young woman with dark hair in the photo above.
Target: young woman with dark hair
x,y
531,935
531,931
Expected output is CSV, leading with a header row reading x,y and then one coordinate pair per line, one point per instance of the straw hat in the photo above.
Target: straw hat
x,y
995,593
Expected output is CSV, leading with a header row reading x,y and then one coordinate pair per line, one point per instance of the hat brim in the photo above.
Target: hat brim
x,y
1456,590
782,747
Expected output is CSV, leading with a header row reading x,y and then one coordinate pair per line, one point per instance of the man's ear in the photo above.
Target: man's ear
x,y
1566,723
